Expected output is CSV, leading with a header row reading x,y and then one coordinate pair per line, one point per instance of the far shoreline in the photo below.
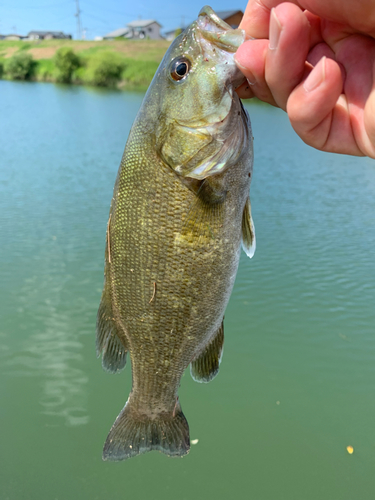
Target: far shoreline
x,y
128,64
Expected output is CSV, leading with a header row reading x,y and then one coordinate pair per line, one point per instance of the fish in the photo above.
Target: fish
x,y
179,215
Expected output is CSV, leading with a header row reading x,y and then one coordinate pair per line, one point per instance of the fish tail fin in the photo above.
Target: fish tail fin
x,y
133,434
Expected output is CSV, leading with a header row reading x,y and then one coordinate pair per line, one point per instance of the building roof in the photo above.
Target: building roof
x,y
142,23
223,14
116,33
44,33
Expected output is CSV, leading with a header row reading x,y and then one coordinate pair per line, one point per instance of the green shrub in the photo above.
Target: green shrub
x,y
79,75
20,66
1,68
45,70
139,73
104,69
66,61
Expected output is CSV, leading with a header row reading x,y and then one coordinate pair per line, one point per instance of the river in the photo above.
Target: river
x,y
297,382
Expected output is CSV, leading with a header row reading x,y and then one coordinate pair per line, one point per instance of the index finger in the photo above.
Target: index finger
x,y
256,18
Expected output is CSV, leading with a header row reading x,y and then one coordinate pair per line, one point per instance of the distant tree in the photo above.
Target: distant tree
x,y
178,32
66,61
20,66
105,69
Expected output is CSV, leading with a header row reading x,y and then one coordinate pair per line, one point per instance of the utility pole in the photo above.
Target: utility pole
x,y
78,16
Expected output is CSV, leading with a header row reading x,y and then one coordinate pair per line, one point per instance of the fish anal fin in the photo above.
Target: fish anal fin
x,y
248,231
108,341
133,434
206,366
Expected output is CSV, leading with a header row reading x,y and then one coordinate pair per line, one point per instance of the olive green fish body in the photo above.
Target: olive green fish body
x,y
174,234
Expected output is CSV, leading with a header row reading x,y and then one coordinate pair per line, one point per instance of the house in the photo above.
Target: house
x,y
119,33
47,35
231,17
13,36
171,35
145,28
137,30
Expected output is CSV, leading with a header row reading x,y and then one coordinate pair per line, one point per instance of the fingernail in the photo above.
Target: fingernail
x,y
249,75
316,77
275,30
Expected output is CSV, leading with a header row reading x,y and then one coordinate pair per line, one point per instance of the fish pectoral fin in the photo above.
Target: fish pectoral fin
x,y
108,342
248,231
203,221
206,366
132,434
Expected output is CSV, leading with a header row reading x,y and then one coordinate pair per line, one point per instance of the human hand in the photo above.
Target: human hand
x,y
318,65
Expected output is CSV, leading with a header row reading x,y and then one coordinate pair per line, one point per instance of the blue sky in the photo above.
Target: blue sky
x,y
98,16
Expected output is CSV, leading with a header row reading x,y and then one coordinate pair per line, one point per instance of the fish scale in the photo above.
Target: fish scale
x,y
173,243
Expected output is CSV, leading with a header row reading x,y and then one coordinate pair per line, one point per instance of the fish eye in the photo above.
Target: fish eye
x,y
179,68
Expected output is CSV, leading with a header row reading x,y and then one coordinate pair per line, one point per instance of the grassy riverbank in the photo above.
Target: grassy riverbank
x,y
118,63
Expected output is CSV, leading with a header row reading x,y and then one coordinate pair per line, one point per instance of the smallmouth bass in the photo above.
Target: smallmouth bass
x,y
179,213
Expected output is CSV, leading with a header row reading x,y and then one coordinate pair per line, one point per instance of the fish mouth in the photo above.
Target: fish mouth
x,y
218,43
218,32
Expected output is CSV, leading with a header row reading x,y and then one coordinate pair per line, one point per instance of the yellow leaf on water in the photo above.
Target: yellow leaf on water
x,y
350,449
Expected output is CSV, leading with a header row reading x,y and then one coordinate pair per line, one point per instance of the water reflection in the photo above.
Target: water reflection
x,y
64,386
53,354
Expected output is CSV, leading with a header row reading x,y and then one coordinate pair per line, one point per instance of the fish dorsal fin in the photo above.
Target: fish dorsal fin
x,y
248,231
108,342
206,366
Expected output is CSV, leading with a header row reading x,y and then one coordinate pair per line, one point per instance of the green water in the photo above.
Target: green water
x,y
297,381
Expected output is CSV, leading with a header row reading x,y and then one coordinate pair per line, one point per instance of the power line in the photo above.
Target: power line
x,y
78,16
101,20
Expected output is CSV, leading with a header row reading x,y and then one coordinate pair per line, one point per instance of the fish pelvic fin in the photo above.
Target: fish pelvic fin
x,y
248,231
206,366
133,434
108,342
